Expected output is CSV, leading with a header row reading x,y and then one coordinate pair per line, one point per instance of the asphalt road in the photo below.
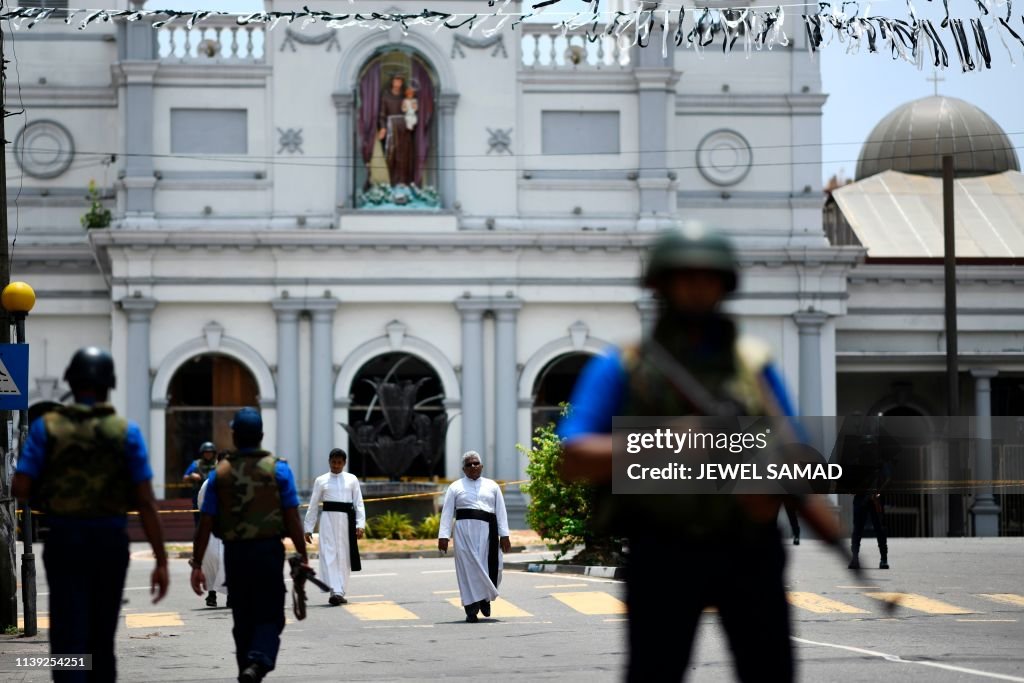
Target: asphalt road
x,y
962,618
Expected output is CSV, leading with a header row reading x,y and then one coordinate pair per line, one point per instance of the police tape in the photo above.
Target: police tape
x,y
428,494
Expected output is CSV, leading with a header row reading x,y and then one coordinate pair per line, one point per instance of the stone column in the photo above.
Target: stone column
x,y
135,378
321,370
138,64
506,383
343,105
289,444
985,510
809,325
473,426
446,144
656,78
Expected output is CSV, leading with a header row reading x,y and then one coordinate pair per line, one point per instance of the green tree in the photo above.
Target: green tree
x,y
559,511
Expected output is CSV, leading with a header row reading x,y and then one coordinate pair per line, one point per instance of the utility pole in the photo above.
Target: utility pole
x,y
956,498
8,520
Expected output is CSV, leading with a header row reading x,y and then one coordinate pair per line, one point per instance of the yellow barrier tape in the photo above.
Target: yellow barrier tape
x,y
306,505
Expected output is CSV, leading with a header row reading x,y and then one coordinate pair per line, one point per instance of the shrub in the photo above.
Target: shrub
x,y
97,216
391,525
558,511
430,526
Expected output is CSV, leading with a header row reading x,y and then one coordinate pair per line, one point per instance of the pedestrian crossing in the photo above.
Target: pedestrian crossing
x,y
555,600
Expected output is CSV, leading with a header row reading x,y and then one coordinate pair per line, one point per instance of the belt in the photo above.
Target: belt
x,y
353,547
492,536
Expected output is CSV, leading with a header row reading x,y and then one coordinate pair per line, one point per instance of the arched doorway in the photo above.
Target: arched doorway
x,y
204,393
554,385
406,428
396,132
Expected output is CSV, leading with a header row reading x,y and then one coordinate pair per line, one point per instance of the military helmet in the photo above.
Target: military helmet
x,y
691,247
207,446
92,367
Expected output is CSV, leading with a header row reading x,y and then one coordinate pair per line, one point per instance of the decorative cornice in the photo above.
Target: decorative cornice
x,y
138,308
810,321
134,72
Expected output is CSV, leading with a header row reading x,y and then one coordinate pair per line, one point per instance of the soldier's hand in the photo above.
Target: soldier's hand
x,y
309,538
506,544
442,545
158,582
359,533
198,581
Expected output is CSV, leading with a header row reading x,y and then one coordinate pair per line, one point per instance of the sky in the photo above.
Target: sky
x,y
862,88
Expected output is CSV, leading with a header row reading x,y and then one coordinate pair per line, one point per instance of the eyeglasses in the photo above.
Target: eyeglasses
x,y
472,464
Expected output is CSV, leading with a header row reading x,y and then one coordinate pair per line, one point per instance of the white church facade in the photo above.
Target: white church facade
x,y
291,223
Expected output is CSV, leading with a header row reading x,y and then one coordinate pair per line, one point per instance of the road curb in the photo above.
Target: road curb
x,y
394,554
578,569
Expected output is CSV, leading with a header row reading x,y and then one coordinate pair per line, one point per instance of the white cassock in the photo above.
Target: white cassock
x,y
213,560
472,536
335,562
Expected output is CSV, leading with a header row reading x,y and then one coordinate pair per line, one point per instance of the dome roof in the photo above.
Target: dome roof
x,y
914,137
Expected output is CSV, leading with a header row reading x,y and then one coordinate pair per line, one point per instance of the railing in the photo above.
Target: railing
x,y
545,48
216,41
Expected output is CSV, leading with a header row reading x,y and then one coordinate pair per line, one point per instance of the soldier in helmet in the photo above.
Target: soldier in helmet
x,y
250,504
199,470
717,551
86,467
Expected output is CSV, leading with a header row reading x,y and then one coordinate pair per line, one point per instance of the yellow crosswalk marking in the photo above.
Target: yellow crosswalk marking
x,y
920,603
812,602
380,610
153,619
592,602
1005,598
41,622
500,609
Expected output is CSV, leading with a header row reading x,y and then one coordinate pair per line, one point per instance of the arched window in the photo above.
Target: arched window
x,y
396,133
554,385
204,393
396,420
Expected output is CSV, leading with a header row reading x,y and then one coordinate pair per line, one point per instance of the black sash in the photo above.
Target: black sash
x,y
353,547
492,537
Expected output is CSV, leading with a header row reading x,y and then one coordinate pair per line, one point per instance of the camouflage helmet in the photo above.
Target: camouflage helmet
x,y
92,367
691,247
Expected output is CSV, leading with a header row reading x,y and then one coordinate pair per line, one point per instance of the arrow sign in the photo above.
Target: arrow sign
x,y
13,376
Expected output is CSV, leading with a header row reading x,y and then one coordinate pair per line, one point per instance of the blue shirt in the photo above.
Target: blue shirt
x,y
600,394
285,486
32,462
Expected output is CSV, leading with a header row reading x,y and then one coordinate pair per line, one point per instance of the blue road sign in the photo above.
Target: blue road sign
x,y
13,376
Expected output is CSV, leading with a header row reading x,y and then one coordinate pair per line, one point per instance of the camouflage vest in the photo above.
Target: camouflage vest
x,y
729,371
248,498
86,472
203,469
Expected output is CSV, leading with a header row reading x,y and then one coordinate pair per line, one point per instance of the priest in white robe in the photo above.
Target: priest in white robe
x,y
213,560
475,510
341,523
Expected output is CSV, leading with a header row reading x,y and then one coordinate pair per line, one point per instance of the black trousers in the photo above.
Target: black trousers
x,y
669,581
794,517
255,571
85,597
864,506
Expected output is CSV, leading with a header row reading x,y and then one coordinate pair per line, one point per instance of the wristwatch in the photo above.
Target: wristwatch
x,y
195,565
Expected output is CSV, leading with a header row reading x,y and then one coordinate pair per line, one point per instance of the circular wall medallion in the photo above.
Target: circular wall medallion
x,y
724,157
44,149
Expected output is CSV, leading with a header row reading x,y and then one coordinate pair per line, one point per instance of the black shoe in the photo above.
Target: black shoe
x,y
854,563
485,608
334,600
796,540
211,599
228,602
884,564
252,673
472,618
